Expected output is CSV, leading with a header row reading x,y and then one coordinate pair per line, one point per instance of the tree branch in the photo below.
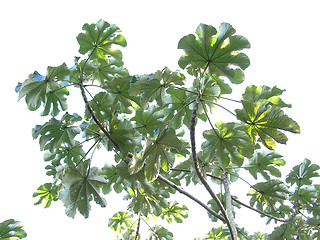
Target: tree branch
x,y
197,168
171,184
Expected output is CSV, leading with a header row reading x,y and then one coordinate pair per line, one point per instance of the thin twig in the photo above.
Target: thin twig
x,y
191,197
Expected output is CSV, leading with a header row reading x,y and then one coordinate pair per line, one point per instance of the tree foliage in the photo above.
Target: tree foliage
x,y
142,122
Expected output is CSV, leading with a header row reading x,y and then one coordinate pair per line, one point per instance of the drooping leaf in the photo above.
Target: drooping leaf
x,y
154,88
55,133
121,221
98,38
264,162
302,173
81,185
254,94
175,212
228,144
146,121
47,89
217,52
265,121
268,194
11,230
45,194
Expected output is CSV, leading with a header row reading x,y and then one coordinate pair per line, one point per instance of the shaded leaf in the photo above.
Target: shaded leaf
x,y
11,229
302,173
268,194
284,232
264,162
102,106
159,232
81,184
55,133
228,144
217,52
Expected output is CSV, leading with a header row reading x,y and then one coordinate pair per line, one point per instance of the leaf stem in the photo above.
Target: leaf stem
x,y
221,107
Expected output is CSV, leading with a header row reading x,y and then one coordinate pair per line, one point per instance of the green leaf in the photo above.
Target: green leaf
x,y
11,230
284,232
106,71
264,120
146,121
302,173
47,89
126,137
175,212
81,184
102,105
154,88
228,144
159,232
157,153
121,221
268,194
264,162
217,52
98,38
45,194
55,133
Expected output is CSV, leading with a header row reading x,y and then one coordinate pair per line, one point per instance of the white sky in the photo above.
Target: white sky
x,y
35,34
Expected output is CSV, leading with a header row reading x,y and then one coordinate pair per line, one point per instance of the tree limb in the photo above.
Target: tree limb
x,y
171,184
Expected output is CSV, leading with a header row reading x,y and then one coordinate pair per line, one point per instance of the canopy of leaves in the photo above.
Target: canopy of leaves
x,y
11,229
216,51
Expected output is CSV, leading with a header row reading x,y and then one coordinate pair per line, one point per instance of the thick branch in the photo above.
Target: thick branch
x,y
180,190
229,204
197,168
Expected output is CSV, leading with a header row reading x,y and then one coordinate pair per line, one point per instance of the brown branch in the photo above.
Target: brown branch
x,y
197,168
138,227
171,184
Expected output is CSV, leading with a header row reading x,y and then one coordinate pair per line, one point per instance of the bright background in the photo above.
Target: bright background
x,y
35,34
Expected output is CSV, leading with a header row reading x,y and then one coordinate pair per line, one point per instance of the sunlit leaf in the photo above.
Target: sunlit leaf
x,y
175,212
11,230
45,194
120,221
216,51
98,38
159,232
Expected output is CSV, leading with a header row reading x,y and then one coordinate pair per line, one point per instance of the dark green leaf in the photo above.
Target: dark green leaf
x,y
283,232
265,121
218,52
11,230
228,144
45,194
263,162
98,38
81,184
302,173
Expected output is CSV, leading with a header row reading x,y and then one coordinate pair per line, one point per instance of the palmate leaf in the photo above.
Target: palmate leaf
x,y
159,232
121,221
101,105
98,38
55,133
218,52
264,121
268,194
106,71
254,94
47,89
11,230
45,194
228,144
154,88
81,184
157,155
146,121
174,212
264,162
285,232
302,173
